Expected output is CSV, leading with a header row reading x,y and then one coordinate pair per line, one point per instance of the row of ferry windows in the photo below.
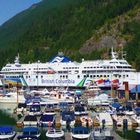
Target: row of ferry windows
x,y
12,69
99,67
70,67
66,76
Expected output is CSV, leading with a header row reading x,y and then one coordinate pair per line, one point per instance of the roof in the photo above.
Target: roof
x,y
135,89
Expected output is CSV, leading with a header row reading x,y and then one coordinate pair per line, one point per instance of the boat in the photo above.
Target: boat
x,y
57,96
81,133
47,120
93,88
35,109
61,71
68,117
55,134
29,133
30,120
12,97
7,132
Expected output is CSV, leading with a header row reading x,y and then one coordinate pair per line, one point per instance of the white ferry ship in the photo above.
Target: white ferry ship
x,y
61,71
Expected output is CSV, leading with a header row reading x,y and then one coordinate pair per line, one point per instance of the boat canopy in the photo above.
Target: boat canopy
x,y
68,116
6,129
30,129
47,118
27,137
80,130
116,105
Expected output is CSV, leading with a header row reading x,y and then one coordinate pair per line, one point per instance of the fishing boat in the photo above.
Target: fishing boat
x,y
7,133
81,133
31,133
55,134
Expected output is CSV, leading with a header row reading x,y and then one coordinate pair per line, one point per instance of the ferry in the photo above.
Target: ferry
x,y
61,71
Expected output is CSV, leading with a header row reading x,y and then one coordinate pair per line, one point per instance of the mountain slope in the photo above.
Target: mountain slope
x,y
78,28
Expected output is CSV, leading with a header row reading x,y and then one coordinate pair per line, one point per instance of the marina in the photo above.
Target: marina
x,y
70,120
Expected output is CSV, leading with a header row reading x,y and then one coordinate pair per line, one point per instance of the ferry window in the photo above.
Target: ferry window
x,y
123,76
78,76
87,75
66,76
63,76
97,75
100,75
94,75
119,75
60,76
41,76
90,76
126,75
36,76
104,75
26,76
84,76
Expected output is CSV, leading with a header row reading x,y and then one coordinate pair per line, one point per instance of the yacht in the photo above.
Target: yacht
x,y
61,71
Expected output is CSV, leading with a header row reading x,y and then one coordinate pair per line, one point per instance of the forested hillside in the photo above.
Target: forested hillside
x,y
79,28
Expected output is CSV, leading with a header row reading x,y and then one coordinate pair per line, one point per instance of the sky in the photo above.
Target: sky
x,y
9,8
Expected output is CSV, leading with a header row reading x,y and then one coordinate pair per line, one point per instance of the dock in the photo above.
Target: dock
x,y
68,136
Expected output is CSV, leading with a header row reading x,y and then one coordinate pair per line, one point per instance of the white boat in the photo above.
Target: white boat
x,y
56,96
61,71
12,97
81,133
55,134
6,132
106,119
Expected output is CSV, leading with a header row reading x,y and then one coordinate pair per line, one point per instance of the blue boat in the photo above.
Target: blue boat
x,y
7,132
30,133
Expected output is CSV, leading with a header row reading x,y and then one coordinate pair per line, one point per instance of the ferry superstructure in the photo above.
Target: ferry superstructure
x,y
61,71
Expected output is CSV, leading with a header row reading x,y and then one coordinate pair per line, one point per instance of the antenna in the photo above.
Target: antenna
x,y
114,54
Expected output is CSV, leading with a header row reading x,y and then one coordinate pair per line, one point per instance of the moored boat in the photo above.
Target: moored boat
x,y
7,132
55,134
